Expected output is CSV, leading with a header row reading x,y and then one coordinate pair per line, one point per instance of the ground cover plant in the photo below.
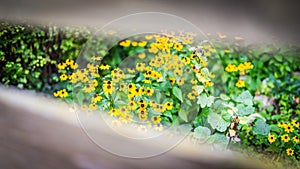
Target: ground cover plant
x,y
233,95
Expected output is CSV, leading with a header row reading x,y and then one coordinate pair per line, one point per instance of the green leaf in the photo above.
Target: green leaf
x,y
274,128
224,97
80,97
217,122
177,93
261,127
183,115
201,132
168,114
219,140
204,101
245,98
226,116
278,58
199,89
243,110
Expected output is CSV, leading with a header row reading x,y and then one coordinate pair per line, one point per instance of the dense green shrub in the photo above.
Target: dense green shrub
x,y
29,53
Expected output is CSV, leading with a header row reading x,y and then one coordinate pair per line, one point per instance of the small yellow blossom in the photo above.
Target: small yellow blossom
x,y
289,152
156,119
61,66
296,139
288,128
63,77
125,43
295,123
240,83
271,138
285,138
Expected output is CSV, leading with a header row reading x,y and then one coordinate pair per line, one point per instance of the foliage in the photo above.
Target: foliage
x,y
29,53
222,106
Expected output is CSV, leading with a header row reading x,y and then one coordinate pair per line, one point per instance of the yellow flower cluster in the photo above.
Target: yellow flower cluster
x,y
169,41
166,65
61,93
287,136
68,63
242,67
127,43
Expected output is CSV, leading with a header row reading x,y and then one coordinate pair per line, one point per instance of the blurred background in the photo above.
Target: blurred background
x,y
256,20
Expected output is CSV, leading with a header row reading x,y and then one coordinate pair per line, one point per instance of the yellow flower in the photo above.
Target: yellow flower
x,y
289,152
131,87
240,83
191,96
63,93
61,66
94,82
177,46
285,138
88,88
186,60
142,104
169,105
227,51
289,128
295,123
180,82
158,127
281,125
125,43
194,81
209,83
96,98
143,115
114,112
84,107
148,37
211,75
271,138
108,88
74,66
142,55
63,77
172,81
134,43
147,80
122,87
248,65
231,68
104,66
92,106
126,117
96,58
56,94
156,119
140,66
131,70
69,61
241,67
149,91
142,43
296,139
132,105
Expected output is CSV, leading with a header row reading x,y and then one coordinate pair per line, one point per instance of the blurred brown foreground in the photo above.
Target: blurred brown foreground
x,y
39,132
